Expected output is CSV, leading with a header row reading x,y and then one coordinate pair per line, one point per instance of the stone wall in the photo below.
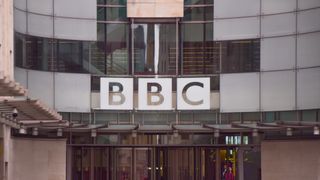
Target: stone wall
x,y
290,160
6,37
37,159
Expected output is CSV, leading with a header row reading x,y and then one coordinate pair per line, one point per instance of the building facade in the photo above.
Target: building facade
x,y
173,89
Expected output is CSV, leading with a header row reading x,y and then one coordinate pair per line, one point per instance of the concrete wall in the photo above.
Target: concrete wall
x,y
37,159
292,160
6,37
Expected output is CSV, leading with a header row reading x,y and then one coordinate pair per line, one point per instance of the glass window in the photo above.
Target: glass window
x,y
117,49
112,13
98,55
19,46
288,116
269,117
309,115
39,53
200,54
197,2
73,56
154,48
198,13
253,116
240,56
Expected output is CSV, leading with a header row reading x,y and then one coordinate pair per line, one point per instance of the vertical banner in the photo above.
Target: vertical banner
x,y
116,93
155,94
193,93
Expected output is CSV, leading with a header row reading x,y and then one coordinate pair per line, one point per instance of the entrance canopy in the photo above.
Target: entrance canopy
x,y
23,112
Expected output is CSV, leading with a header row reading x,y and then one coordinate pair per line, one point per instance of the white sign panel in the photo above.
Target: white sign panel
x,y
155,94
193,93
116,93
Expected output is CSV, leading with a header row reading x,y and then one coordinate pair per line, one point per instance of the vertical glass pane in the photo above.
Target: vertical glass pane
x,y
309,115
240,56
73,56
116,2
254,116
39,53
155,48
143,164
198,13
116,14
123,161
117,47
98,63
19,48
101,13
288,116
269,117
197,2
200,53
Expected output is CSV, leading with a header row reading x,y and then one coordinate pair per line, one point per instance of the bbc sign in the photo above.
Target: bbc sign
x,y
155,94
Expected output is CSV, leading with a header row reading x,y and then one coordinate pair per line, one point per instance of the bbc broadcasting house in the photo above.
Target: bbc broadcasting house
x,y
159,89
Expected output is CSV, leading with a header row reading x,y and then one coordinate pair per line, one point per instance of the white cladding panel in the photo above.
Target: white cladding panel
x,y
39,25
20,21
164,97
191,98
72,92
239,28
274,56
41,6
278,25
308,21
239,92
40,86
20,76
238,8
306,4
20,4
112,100
278,91
76,8
277,6
308,88
308,52
77,29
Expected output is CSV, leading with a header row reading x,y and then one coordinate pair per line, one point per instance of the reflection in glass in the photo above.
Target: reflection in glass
x,y
112,14
240,56
198,13
197,2
200,53
123,160
38,53
155,48
117,46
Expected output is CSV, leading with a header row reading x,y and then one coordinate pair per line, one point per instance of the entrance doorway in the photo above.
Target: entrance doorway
x,y
160,163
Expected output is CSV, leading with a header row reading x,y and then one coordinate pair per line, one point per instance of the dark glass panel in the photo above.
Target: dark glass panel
x,y
200,53
39,53
240,56
309,115
147,38
117,49
95,83
98,56
116,14
73,56
197,2
198,13
288,116
215,83
19,46
101,13
116,2
250,116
